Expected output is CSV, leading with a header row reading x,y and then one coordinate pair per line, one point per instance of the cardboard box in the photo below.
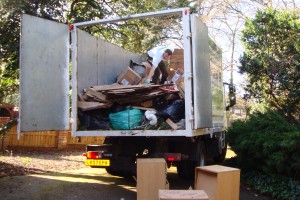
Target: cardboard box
x,y
129,77
177,77
219,182
182,195
151,177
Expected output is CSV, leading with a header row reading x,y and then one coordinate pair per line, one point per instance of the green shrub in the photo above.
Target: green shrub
x,y
266,142
278,188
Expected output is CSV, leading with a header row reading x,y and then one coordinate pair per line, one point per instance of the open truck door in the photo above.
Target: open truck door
x,y
202,99
44,75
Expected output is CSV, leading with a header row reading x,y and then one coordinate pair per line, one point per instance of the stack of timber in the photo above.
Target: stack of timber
x,y
104,96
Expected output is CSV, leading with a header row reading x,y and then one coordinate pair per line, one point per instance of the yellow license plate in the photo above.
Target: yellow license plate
x,y
94,162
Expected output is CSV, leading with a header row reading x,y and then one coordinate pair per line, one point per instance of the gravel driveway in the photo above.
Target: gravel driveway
x,y
18,163
62,175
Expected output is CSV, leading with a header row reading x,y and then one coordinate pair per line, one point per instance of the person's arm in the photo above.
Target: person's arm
x,y
156,59
151,72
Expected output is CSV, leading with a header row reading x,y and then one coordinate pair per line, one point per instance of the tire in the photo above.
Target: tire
x,y
201,154
186,168
221,157
110,171
113,172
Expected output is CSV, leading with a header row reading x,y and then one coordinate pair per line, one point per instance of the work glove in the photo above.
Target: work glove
x,y
147,81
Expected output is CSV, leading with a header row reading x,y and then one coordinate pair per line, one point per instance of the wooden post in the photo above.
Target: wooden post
x,y
62,139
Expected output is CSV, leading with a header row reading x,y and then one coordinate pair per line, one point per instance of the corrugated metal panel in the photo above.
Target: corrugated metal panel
x,y
87,68
201,74
113,60
44,75
99,62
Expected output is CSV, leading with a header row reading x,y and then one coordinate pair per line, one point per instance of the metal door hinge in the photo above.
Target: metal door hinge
x,y
189,35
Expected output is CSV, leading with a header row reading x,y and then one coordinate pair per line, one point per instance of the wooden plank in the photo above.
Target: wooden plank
x,y
115,87
118,87
172,124
141,108
122,91
80,97
99,95
85,106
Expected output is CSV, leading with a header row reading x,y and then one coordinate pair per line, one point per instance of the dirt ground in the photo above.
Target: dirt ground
x,y
19,163
62,175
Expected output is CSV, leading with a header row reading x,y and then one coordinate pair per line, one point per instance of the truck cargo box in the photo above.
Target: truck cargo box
x,y
96,63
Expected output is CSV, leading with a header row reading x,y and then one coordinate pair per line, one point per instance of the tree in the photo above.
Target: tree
x,y
10,14
272,60
136,36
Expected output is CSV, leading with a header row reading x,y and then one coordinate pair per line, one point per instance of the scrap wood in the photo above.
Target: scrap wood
x,y
141,108
122,91
114,87
119,87
126,93
172,124
137,98
93,93
87,97
80,97
133,97
85,106
167,89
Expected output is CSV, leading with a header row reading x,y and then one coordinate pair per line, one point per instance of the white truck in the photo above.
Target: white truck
x,y
45,92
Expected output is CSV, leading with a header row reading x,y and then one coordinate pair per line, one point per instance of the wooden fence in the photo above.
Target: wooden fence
x,y
46,139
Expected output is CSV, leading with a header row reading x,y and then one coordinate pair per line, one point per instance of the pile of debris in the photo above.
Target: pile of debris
x,y
129,104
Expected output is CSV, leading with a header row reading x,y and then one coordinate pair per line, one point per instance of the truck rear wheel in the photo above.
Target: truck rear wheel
x,y
222,148
201,153
114,172
221,157
186,168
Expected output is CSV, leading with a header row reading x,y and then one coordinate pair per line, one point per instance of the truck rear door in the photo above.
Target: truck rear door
x,y
44,75
202,100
